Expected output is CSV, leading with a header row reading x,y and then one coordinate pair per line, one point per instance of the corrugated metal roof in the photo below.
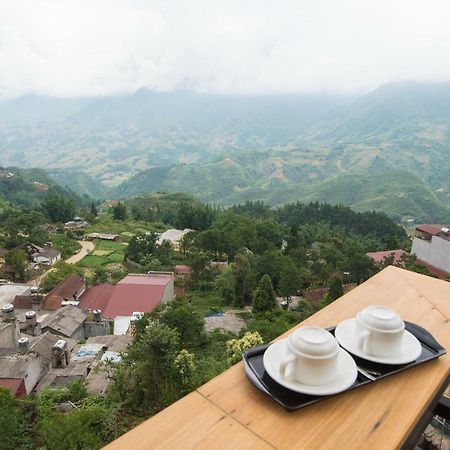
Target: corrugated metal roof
x,y
42,345
64,321
128,298
65,290
96,297
154,279
379,256
429,228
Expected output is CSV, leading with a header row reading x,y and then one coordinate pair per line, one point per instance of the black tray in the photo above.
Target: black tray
x,y
368,372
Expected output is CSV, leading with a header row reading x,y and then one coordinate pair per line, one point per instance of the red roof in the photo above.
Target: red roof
x,y
65,290
182,268
15,385
136,293
379,256
96,297
434,270
429,229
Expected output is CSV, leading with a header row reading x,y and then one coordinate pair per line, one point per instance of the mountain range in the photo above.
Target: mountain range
x,y
388,149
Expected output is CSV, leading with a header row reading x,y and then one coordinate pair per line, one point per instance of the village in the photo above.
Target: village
x,y
74,331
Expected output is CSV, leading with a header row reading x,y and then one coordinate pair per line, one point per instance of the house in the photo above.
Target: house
x,y
103,236
8,292
140,293
183,270
46,256
50,229
97,380
134,294
76,224
66,292
220,265
66,322
84,363
431,245
173,236
397,255
16,386
26,369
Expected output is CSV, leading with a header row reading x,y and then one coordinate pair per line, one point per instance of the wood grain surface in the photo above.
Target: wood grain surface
x,y
228,412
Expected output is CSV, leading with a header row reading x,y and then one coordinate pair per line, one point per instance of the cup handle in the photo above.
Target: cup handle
x,y
362,340
290,359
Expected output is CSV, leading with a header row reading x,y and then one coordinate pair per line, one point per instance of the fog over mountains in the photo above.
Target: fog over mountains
x,y
388,149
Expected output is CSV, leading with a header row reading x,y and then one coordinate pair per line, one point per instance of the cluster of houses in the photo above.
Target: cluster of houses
x,y
38,258
66,335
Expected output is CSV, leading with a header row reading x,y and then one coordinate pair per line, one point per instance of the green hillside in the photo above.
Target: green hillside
x,y
29,187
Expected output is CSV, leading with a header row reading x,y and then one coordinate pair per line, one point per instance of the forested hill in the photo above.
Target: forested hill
x,y
392,143
30,187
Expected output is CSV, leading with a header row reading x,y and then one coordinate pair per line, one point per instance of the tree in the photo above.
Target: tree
x,y
198,262
264,296
101,275
10,421
58,208
94,211
140,246
147,380
119,211
18,262
336,289
291,279
179,316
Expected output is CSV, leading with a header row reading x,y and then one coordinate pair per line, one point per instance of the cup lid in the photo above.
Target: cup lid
x,y
314,342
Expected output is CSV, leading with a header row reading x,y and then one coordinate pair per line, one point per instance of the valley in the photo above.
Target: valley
x,y
386,150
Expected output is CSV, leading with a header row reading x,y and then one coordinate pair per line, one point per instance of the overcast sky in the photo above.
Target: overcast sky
x,y
100,47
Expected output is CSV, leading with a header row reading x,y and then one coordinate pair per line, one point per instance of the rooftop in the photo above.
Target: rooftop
x,y
65,290
96,297
379,256
42,345
9,291
153,279
65,321
429,228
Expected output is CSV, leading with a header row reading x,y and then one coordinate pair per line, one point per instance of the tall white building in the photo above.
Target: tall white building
x,y
431,244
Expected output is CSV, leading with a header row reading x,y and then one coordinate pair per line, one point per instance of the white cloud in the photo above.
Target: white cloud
x,y
98,47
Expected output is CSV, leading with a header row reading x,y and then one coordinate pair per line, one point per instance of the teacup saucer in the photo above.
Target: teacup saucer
x,y
410,349
346,373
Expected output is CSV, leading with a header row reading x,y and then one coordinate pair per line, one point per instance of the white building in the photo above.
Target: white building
x,y
431,244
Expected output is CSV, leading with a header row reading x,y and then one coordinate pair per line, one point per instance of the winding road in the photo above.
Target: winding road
x,y
86,247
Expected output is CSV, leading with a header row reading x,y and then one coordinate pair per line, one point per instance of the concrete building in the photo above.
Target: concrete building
x,y
431,245
66,322
173,236
8,292
136,293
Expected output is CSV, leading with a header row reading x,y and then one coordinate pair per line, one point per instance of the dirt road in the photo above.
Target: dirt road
x,y
86,247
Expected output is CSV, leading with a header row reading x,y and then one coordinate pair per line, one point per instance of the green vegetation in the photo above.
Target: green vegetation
x,y
31,187
65,244
59,272
105,252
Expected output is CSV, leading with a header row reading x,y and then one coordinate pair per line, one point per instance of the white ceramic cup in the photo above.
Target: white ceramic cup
x,y
312,357
379,331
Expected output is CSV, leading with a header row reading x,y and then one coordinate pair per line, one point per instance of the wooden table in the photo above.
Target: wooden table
x,y
228,412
